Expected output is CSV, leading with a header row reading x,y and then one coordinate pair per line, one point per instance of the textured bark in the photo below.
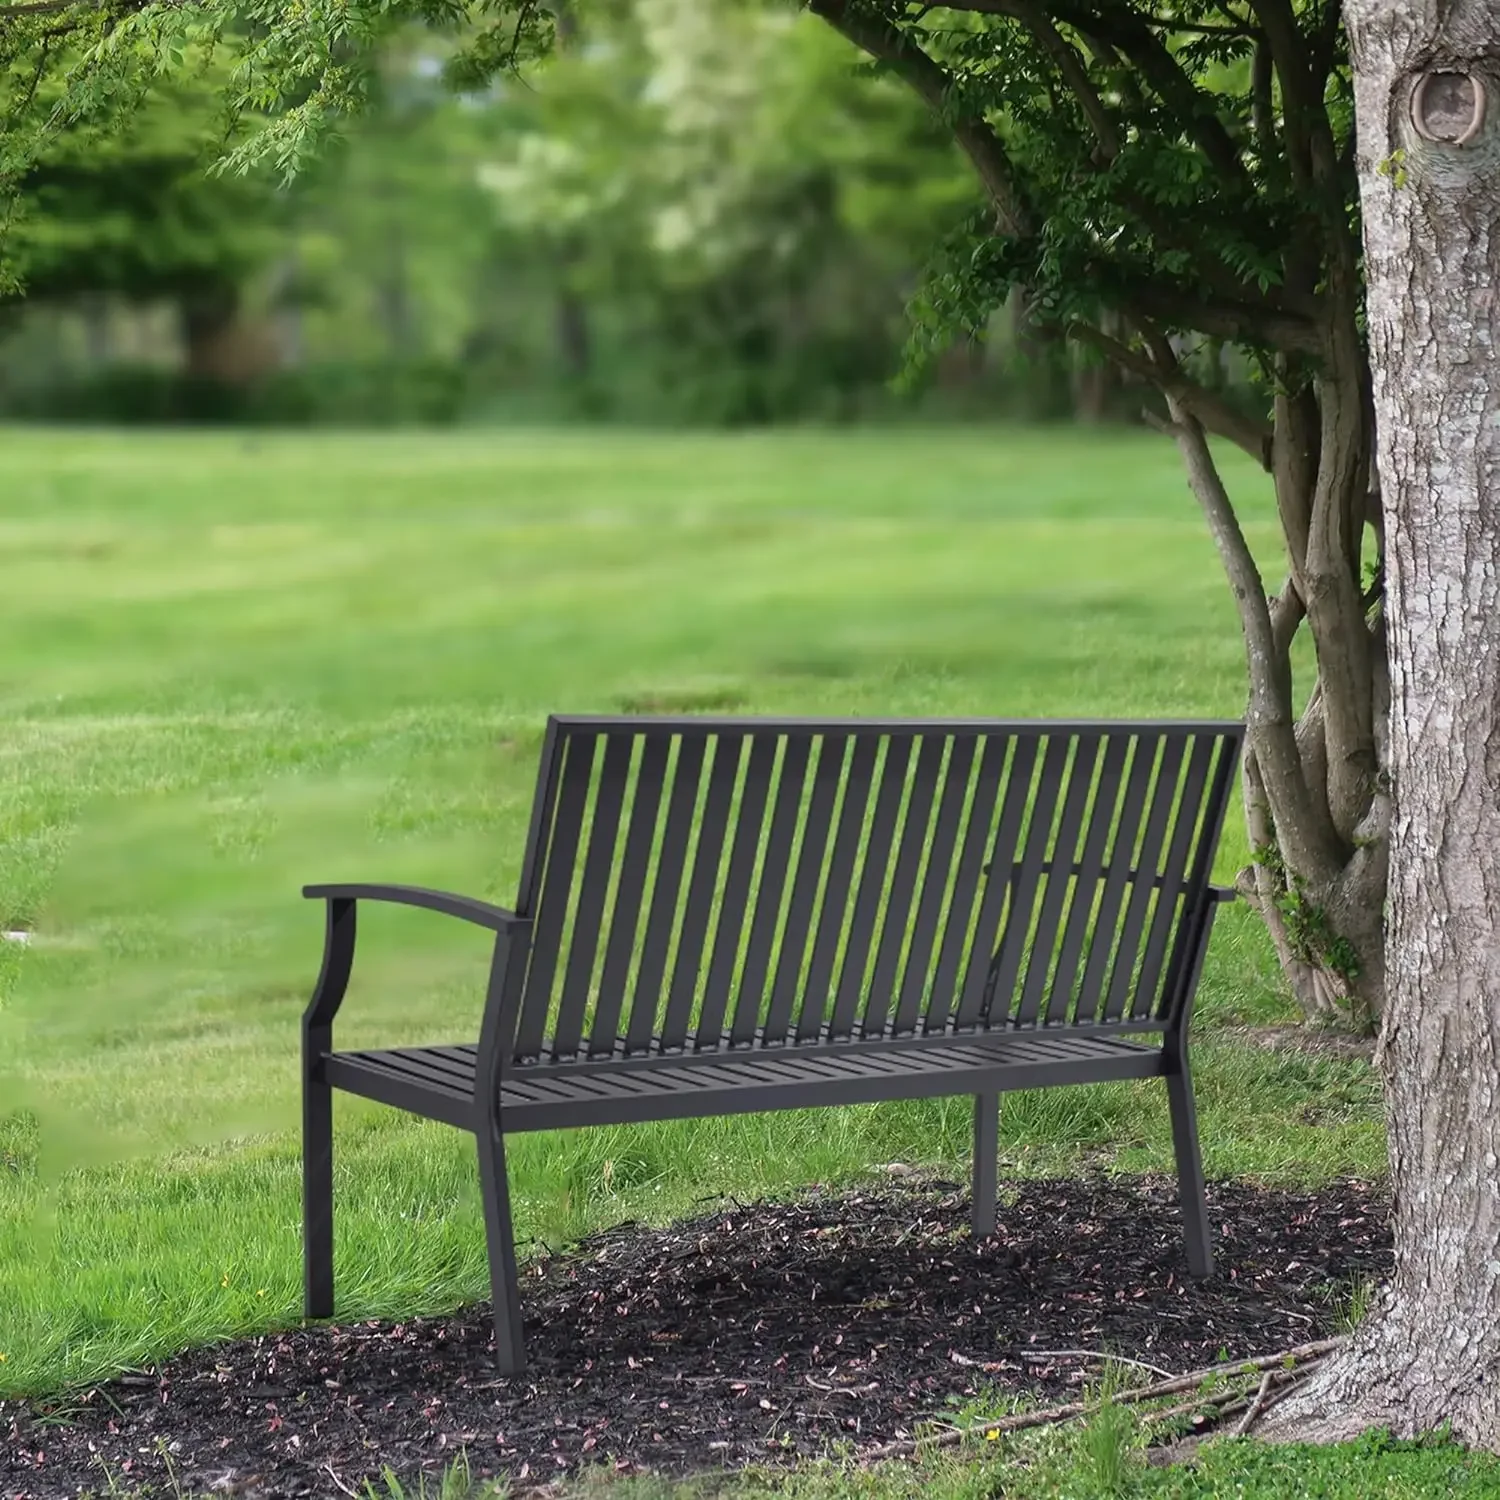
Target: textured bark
x,y
1431,1354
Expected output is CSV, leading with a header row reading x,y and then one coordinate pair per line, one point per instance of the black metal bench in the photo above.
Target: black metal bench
x,y
718,916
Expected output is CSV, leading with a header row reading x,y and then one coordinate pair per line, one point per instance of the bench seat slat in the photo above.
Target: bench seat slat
x,y
548,1097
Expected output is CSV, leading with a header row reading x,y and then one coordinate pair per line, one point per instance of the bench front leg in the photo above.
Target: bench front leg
x,y
317,1112
507,971
499,1234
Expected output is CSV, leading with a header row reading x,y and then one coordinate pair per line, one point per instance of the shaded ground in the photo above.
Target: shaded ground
x,y
747,1335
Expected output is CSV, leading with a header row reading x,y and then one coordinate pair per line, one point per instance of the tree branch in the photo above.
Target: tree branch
x,y
1308,839
1288,611
43,8
888,44
1335,609
1125,28
1212,411
1233,319
1070,65
1262,110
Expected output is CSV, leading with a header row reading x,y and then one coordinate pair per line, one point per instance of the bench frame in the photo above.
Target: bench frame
x,y
1101,1053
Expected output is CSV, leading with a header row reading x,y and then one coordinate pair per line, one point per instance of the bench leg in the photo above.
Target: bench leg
x,y
986,1163
1200,1256
317,1197
510,1341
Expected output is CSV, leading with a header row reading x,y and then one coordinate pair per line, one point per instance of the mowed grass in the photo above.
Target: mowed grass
x,y
232,665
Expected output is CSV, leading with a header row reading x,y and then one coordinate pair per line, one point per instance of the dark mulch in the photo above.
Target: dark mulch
x,y
750,1334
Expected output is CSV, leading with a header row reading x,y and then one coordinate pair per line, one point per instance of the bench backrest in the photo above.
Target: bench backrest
x,y
699,882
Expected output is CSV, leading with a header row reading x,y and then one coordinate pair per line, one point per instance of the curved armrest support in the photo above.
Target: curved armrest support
x,y
465,908
338,944
1221,894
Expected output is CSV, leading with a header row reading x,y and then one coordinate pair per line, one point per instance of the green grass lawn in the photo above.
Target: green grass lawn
x,y
230,665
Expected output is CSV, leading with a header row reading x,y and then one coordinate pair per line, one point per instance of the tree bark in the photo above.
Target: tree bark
x,y
1432,246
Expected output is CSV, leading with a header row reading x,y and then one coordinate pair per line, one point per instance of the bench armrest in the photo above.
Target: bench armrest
x,y
1220,894
465,908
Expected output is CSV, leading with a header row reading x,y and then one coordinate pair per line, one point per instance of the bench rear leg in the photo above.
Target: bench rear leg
x,y
510,1341
986,1163
1200,1256
317,1196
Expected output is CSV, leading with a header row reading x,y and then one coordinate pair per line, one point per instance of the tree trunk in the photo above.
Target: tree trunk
x,y
1431,201
208,319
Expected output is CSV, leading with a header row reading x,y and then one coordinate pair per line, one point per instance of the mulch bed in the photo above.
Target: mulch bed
x,y
752,1334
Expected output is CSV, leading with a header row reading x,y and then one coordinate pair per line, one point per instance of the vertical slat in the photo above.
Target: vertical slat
x,y
1059,878
700,896
1163,796
1007,960
1208,838
895,926
1164,917
542,804
966,883
1117,876
1090,872
997,886
634,867
557,882
839,888
588,918
661,918
871,884
811,857
736,902
784,814
936,878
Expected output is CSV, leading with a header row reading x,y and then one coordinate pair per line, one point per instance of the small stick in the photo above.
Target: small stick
x,y
1257,1406
1275,1364
328,1469
1099,1354
1226,1401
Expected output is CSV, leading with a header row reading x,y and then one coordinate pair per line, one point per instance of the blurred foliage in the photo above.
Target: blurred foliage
x,y
126,205
648,210
747,208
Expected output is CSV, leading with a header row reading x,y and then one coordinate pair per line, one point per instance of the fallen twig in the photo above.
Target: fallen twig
x,y
1272,1365
1257,1406
328,1470
1099,1354
1227,1402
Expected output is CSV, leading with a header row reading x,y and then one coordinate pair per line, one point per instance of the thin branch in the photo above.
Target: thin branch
x,y
1257,1406
1288,611
1325,42
1166,23
1232,319
1262,110
1176,87
887,43
1216,414
1070,65
42,8
1287,46
1200,28
1309,840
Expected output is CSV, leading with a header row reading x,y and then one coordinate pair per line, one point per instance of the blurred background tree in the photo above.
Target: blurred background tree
x,y
691,212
